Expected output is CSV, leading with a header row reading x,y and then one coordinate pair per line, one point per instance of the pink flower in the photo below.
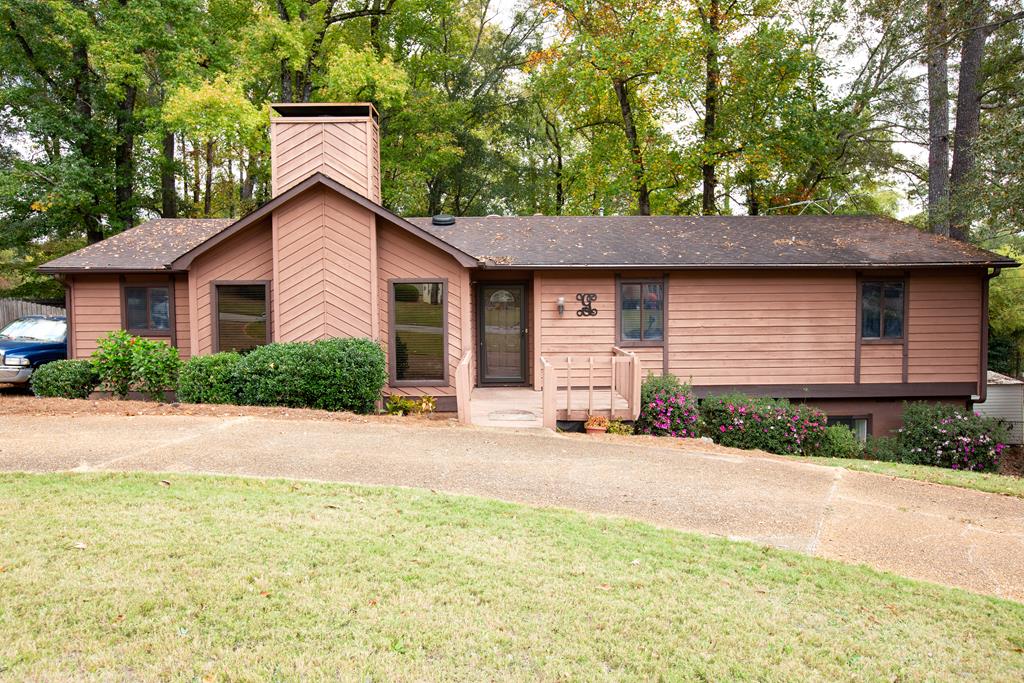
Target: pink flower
x,y
721,428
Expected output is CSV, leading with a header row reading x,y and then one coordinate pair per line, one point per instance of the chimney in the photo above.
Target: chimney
x,y
342,141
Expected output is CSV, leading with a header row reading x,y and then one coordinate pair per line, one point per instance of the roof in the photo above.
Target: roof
x,y
705,241
146,247
576,241
998,378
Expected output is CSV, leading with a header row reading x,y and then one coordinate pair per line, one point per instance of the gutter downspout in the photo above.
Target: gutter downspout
x,y
983,361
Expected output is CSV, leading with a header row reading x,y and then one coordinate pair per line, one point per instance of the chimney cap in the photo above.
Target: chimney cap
x,y
443,219
325,109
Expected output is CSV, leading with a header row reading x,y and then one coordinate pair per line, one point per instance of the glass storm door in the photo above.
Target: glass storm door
x,y
502,330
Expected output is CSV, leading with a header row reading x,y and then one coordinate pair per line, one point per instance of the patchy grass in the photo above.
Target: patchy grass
x,y
989,482
119,577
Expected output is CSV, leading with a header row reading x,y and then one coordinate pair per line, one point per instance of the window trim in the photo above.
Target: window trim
x,y
882,280
867,417
641,343
215,315
167,284
393,380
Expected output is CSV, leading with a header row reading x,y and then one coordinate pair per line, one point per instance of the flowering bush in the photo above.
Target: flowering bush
x,y
667,408
125,363
772,425
946,436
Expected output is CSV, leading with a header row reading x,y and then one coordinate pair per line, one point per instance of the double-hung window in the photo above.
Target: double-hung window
x,y
147,309
419,332
642,311
882,309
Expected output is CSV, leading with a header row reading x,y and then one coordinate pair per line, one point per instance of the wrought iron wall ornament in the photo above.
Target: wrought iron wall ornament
x,y
586,299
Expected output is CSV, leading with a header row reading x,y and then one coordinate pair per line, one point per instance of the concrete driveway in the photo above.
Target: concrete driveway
x,y
948,535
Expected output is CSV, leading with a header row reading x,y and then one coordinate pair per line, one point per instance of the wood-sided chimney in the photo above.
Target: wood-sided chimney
x,y
342,141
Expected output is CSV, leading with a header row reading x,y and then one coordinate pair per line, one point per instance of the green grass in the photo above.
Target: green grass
x,y
989,482
245,579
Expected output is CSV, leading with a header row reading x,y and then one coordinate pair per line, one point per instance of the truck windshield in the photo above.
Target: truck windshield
x,y
35,329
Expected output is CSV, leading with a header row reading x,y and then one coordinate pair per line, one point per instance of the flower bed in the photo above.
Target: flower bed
x,y
772,425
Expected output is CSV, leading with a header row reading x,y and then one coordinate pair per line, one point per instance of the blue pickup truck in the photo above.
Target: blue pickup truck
x,y
27,343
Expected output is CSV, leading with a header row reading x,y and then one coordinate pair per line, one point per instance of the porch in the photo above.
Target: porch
x,y
574,388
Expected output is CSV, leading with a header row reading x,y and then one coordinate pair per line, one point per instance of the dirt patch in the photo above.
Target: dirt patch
x,y
15,404
1012,461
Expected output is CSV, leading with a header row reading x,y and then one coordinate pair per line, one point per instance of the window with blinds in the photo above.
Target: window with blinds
x,y
418,321
242,320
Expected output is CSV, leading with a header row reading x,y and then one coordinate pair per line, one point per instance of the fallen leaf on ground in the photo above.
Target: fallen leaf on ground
x,y
164,482
79,546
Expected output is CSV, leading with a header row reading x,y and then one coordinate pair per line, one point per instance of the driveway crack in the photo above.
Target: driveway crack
x,y
826,512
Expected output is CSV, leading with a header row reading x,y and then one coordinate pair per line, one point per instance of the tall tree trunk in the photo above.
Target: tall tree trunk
x,y
208,194
753,205
375,40
968,114
168,190
713,77
124,162
643,194
938,119
195,177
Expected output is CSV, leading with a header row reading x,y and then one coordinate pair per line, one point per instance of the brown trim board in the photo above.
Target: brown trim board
x,y
889,391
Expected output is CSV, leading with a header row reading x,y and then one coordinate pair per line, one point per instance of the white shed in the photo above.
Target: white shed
x,y
1005,400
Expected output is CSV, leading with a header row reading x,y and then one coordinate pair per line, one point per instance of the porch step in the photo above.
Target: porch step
x,y
512,415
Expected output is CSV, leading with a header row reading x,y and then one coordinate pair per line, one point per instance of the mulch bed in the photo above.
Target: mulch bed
x,y
22,404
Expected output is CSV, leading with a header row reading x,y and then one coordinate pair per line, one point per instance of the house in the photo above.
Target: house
x,y
1005,401
850,313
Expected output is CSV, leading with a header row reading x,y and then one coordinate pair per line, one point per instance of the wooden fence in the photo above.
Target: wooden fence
x,y
12,309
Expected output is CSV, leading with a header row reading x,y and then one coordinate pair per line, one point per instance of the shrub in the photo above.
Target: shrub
x,y
400,405
838,441
772,425
332,374
65,379
155,367
945,436
667,408
125,363
112,361
620,427
884,448
209,379
596,422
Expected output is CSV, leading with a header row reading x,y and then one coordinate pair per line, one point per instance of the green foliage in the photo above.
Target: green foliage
x,y
112,360
838,441
405,405
125,363
619,427
332,374
772,425
943,435
65,379
209,379
884,448
1006,317
667,408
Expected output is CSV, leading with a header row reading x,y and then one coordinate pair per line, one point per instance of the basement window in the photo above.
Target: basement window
x,y
147,310
857,425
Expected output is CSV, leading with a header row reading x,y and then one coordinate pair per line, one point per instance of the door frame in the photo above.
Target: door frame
x,y
524,331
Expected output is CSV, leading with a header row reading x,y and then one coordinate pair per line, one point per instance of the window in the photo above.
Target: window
x,y
242,322
642,311
857,425
881,310
419,333
147,310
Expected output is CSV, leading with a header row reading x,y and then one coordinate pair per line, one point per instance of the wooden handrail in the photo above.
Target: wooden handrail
x,y
550,394
616,376
463,387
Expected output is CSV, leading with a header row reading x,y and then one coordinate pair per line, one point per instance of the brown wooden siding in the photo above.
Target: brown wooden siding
x,y
944,327
96,304
402,256
182,330
246,256
762,328
322,253
345,149
881,363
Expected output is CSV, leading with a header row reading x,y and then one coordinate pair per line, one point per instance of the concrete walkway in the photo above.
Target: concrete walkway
x,y
943,534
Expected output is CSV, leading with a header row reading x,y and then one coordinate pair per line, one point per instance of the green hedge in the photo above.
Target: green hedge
x,y
332,374
209,379
65,379
772,425
838,441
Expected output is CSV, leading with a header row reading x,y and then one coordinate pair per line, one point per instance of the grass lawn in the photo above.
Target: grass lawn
x,y
118,577
980,481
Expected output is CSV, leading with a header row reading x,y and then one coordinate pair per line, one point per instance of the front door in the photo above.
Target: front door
x,y
501,329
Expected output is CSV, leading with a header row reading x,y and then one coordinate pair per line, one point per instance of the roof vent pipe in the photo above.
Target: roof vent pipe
x,y
443,219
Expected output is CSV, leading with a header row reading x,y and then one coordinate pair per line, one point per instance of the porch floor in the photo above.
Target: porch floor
x,y
523,407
